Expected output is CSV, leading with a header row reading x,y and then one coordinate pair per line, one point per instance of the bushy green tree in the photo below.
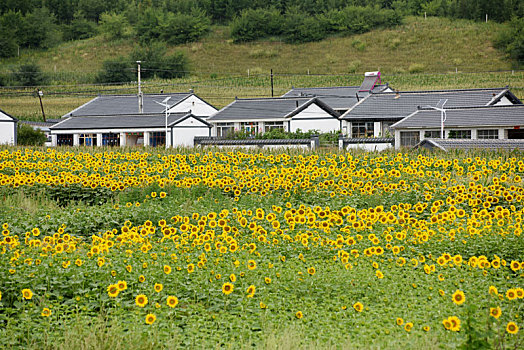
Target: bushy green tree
x,y
119,70
181,28
27,136
174,66
39,29
29,74
151,56
80,28
256,24
113,25
511,40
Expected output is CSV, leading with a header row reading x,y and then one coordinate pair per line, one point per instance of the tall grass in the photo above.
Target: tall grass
x,y
59,100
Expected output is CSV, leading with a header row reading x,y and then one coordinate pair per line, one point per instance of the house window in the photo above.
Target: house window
x,y
225,129
487,134
432,134
157,139
111,139
87,140
459,134
386,129
409,138
273,125
360,130
64,140
250,128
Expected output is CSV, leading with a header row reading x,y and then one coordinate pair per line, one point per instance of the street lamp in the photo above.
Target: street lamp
x,y
443,116
164,103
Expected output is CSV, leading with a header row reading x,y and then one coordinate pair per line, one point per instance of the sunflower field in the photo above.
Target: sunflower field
x,y
119,248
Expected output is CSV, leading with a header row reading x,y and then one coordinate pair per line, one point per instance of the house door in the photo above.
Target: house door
x,y
516,134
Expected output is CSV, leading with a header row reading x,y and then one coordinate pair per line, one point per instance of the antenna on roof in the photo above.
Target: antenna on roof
x,y
443,116
140,96
165,104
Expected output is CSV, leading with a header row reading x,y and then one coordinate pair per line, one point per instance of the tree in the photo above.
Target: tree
x,y
114,26
116,71
27,136
39,29
174,66
511,40
80,28
29,74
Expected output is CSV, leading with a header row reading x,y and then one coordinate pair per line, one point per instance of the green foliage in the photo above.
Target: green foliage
x,y
297,28
27,136
113,26
80,28
116,71
154,63
256,24
157,64
179,28
29,74
300,28
39,29
511,40
65,195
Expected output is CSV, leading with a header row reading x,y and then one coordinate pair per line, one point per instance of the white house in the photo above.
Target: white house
x,y
263,114
8,125
113,105
374,115
130,130
473,123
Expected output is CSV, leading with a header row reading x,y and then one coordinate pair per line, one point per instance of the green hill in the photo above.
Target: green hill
x,y
412,56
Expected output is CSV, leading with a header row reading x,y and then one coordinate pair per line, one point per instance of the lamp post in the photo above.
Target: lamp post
x,y
443,116
40,94
164,103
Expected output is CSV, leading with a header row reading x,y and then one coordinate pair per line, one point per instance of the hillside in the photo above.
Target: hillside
x,y
411,57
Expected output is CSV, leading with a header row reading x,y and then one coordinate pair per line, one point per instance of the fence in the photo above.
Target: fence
x,y
368,144
310,143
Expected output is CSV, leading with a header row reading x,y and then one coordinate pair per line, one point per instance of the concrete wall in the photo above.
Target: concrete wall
x,y
197,107
314,118
370,147
7,132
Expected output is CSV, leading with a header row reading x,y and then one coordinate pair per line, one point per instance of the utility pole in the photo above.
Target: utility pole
x,y
271,82
140,96
40,94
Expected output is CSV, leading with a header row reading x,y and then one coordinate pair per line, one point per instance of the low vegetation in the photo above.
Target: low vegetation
x,y
189,248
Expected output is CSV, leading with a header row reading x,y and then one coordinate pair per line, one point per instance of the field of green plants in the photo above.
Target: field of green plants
x,y
24,104
126,248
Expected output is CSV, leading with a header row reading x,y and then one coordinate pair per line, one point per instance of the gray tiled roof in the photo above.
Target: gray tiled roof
x,y
107,105
256,142
266,108
492,116
340,97
47,123
449,144
360,140
119,122
395,106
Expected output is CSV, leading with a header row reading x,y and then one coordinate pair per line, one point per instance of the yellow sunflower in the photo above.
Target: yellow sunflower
x,y
141,300
227,288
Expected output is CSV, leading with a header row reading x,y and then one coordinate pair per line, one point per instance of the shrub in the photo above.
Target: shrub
x,y
116,71
416,68
511,39
182,28
27,136
29,74
156,63
80,28
256,24
113,26
300,29
174,66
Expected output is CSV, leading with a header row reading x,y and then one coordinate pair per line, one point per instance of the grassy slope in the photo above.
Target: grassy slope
x,y
434,45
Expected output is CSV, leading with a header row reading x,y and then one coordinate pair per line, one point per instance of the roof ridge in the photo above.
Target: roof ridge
x,y
281,98
437,91
472,107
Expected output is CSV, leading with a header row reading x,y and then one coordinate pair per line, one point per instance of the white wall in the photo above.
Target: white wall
x,y
197,107
7,131
310,119
369,146
185,136
503,102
